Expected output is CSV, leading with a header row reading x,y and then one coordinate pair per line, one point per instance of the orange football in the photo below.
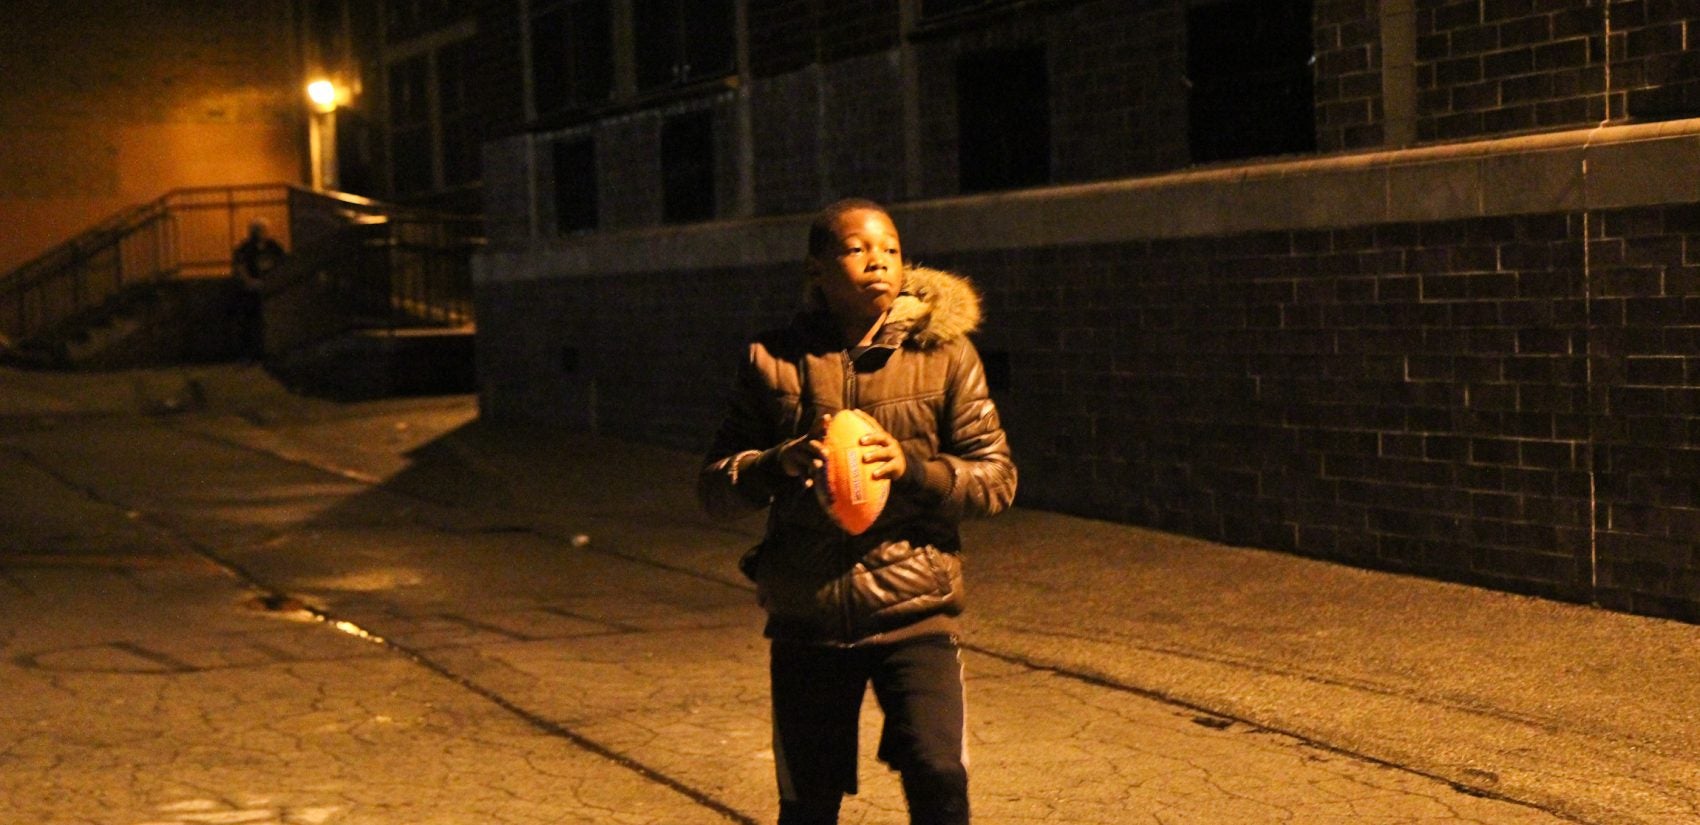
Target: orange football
x,y
846,487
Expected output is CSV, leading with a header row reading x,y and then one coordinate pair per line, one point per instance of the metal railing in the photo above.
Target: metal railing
x,y
364,265
394,267
185,233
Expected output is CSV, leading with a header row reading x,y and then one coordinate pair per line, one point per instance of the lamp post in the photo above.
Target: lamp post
x,y
321,132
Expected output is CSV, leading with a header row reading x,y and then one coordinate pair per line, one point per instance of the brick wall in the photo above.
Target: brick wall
x,y
1644,407
628,172
1349,111
787,35
1485,400
1406,396
1653,56
782,35
785,127
1502,66
1499,66
1472,362
585,352
1119,97
862,128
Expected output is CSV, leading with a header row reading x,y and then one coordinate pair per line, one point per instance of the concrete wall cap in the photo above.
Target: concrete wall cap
x,y
1637,164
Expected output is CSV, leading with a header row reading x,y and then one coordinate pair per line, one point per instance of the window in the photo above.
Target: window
x,y
411,146
575,185
687,167
931,9
1003,119
572,58
328,36
461,132
1249,66
435,120
682,41
406,19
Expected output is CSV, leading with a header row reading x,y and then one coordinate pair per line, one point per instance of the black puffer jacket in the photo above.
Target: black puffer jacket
x,y
923,381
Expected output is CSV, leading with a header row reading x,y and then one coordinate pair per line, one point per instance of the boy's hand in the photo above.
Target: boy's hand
x,y
885,454
804,455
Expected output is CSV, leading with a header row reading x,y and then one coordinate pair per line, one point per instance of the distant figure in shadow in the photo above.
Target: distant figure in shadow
x,y
254,259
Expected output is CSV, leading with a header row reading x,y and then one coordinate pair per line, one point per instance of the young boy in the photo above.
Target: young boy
x,y
846,610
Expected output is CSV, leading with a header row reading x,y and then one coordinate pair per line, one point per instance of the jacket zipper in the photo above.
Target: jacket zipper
x,y
845,588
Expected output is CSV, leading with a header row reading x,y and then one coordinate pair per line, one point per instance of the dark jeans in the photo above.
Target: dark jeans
x,y
817,700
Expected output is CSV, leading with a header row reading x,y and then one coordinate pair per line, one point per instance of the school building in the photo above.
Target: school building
x,y
1411,284
1408,284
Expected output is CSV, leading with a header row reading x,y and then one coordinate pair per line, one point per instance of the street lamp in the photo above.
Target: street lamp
x,y
323,97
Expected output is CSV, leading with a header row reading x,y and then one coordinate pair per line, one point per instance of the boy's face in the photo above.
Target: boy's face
x,y
861,276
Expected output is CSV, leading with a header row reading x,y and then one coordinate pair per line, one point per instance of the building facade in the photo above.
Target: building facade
x,y
108,105
1408,284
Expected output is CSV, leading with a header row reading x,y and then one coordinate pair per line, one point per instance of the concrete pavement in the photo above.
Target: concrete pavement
x,y
224,603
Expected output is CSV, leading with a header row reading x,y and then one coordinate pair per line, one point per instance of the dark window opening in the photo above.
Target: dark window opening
x,y
687,167
406,19
572,57
575,185
682,41
1249,70
459,115
411,150
931,9
325,22
1003,119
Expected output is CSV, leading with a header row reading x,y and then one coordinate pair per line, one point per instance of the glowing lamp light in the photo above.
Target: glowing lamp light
x,y
323,95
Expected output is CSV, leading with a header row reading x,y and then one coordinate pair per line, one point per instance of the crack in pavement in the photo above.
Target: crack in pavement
x,y
531,718
420,657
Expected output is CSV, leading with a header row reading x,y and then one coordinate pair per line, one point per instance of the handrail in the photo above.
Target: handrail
x,y
190,232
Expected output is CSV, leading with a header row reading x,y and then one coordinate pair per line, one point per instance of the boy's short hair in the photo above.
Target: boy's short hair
x,y
823,231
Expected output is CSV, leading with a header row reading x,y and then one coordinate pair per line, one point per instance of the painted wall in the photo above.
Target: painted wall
x,y
111,104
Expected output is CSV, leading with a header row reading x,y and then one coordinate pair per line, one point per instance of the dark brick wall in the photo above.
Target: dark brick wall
x,y
1401,396
784,126
1118,90
497,73
1654,58
786,35
863,128
1503,66
1349,112
830,130
1646,408
1495,401
586,351
782,35
628,172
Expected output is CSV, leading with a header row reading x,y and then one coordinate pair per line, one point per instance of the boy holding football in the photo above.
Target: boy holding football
x,y
878,606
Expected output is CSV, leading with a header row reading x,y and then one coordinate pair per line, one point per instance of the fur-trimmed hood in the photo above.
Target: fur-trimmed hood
x,y
933,308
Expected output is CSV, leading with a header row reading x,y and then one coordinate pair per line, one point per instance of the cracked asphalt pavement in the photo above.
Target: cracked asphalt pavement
x,y
222,603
